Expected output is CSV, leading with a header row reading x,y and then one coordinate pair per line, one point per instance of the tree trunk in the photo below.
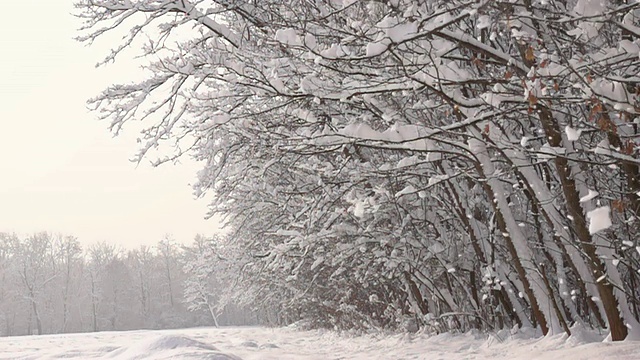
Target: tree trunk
x,y
37,315
507,225
414,292
605,290
94,309
212,311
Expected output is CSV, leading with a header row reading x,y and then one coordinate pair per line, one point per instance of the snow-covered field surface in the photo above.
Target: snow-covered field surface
x,y
264,343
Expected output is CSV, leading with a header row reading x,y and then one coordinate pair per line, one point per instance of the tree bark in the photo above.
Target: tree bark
x,y
605,290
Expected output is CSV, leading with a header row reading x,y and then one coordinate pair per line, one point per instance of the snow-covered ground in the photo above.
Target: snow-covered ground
x,y
264,343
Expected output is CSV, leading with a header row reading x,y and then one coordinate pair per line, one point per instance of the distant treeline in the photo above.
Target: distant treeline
x,y
51,284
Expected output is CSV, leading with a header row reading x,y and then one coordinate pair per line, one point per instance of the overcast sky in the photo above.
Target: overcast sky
x,y
60,169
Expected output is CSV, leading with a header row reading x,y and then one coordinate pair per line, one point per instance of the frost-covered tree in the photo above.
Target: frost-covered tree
x,y
68,263
167,250
9,297
212,282
469,164
141,261
202,289
33,256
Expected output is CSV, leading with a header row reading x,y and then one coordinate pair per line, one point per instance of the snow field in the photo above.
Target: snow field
x,y
285,343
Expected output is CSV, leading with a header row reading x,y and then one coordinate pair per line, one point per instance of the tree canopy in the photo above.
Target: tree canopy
x,y
454,163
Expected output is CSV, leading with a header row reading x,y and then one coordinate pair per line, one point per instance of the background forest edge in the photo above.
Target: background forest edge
x,y
51,284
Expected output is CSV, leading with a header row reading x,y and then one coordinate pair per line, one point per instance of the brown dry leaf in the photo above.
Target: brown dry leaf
x,y
602,124
477,62
618,205
508,75
595,110
605,124
528,54
628,147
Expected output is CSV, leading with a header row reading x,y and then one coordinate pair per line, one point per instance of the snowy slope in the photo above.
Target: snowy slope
x,y
263,343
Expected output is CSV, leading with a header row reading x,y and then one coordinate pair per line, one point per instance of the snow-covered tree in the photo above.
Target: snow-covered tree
x,y
68,263
201,288
465,163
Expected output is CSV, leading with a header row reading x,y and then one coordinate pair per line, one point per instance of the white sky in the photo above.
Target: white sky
x,y
60,169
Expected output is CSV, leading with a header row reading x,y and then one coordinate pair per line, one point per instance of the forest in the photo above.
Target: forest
x,y
50,284
399,164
